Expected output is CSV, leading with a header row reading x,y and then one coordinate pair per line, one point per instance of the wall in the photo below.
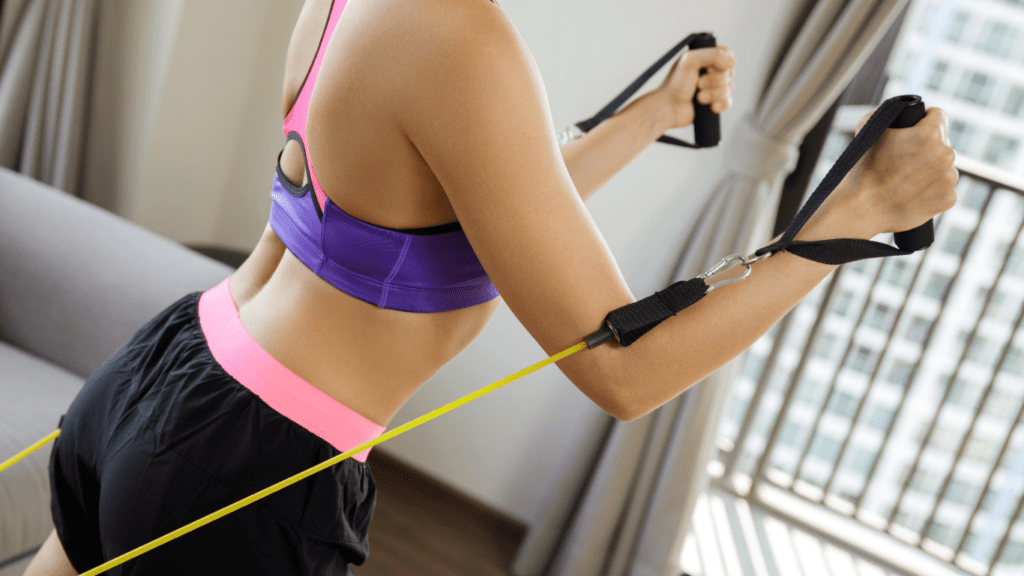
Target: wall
x,y
198,131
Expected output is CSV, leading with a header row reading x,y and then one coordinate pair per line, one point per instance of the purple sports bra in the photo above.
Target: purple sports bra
x,y
430,269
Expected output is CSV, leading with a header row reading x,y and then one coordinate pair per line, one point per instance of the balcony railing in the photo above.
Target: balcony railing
x,y
894,394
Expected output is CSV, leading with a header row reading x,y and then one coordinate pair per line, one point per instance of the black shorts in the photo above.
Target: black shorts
x,y
161,435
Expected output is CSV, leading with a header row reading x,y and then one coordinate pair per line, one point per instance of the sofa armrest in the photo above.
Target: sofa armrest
x,y
77,281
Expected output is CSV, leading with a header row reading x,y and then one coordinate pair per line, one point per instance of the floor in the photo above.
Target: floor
x,y
422,527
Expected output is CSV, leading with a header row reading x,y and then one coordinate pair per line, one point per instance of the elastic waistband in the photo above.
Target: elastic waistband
x,y
283,390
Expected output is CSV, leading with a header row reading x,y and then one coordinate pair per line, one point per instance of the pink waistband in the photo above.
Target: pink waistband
x,y
284,391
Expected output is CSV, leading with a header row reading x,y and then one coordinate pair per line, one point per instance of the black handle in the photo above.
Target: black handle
x,y
921,237
706,127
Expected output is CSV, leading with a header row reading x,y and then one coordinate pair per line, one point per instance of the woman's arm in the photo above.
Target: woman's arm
x,y
476,111
595,158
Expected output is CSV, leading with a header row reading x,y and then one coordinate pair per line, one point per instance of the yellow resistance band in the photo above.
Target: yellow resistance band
x,y
306,473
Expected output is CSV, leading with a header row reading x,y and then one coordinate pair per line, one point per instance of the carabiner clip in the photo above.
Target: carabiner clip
x,y
726,263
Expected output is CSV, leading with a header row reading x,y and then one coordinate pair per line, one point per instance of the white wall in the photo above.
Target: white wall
x,y
503,448
195,147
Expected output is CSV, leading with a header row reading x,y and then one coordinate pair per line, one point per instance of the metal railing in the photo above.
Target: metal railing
x,y
916,428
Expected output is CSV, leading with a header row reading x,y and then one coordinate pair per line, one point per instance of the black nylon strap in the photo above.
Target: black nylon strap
x,y
628,323
613,106
841,251
634,320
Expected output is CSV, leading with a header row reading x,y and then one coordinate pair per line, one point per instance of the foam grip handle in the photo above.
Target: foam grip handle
x,y
707,130
921,237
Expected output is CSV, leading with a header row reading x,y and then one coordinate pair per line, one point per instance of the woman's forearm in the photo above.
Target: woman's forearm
x,y
593,159
700,339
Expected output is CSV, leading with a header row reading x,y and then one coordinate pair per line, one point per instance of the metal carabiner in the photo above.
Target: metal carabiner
x,y
726,263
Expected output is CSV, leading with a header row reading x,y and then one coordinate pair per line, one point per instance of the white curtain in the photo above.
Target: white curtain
x,y
47,48
628,512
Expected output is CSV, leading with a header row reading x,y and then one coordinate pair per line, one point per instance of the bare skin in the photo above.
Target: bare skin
x,y
431,111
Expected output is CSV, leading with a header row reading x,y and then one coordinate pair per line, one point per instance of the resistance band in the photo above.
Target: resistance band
x,y
628,323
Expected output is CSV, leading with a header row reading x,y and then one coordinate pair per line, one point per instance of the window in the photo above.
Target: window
x,y
860,266
996,38
808,391
1015,265
880,317
955,31
910,521
897,272
971,543
958,393
1014,363
981,450
842,404
790,433
864,359
937,75
862,461
975,88
988,504
900,373
825,347
881,418
918,330
841,305
1015,101
1013,553
961,136
1001,404
960,492
976,196
753,366
983,350
924,481
956,241
1001,151
938,286
998,306
825,447
942,534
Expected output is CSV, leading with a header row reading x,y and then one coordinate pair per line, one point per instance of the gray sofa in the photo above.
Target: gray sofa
x,y
75,283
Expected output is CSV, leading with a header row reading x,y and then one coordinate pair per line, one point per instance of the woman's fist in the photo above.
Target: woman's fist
x,y
907,177
684,79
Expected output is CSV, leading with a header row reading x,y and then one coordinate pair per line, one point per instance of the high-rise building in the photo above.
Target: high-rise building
x,y
925,350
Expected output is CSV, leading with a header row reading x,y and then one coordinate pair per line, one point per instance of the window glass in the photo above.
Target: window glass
x,y
880,316
996,38
955,31
1014,101
956,241
937,286
881,418
961,136
900,372
1001,151
975,88
842,404
937,74
918,330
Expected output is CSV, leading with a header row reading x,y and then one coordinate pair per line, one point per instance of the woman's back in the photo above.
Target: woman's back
x,y
366,357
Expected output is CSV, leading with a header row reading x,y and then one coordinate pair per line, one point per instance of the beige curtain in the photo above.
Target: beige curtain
x,y
627,514
47,48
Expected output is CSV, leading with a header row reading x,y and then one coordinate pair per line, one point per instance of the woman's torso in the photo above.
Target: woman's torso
x,y
368,358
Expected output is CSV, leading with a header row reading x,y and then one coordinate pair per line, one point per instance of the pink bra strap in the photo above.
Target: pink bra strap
x,y
296,119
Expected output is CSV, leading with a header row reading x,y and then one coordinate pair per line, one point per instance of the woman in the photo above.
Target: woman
x,y
428,127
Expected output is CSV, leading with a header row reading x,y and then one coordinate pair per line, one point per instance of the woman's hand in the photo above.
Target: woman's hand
x,y
683,80
904,180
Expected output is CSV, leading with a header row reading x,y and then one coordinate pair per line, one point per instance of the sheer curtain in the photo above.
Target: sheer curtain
x,y
47,49
630,515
